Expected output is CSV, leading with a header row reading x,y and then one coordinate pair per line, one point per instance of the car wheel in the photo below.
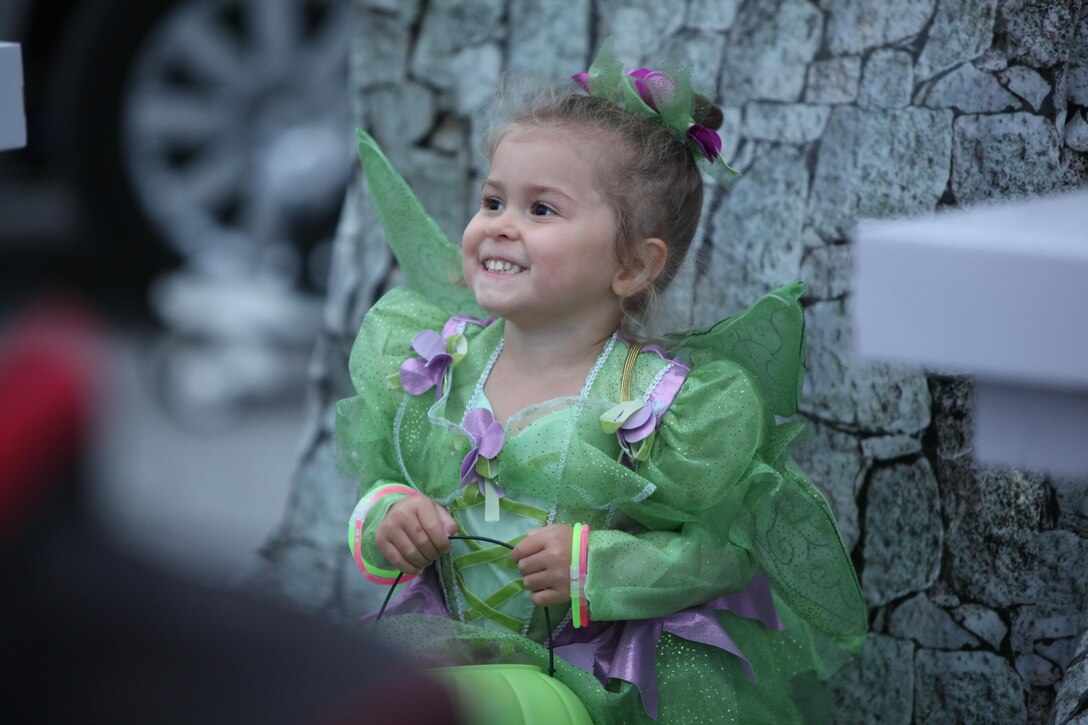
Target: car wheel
x,y
214,132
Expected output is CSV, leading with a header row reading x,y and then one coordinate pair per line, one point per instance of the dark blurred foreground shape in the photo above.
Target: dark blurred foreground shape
x,y
90,635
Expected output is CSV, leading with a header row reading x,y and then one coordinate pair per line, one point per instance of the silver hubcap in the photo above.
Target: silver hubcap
x,y
237,131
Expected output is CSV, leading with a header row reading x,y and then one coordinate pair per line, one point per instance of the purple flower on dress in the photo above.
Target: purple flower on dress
x,y
708,141
420,374
487,435
635,425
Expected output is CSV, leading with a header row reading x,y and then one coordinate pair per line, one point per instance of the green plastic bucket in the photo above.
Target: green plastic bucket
x,y
511,695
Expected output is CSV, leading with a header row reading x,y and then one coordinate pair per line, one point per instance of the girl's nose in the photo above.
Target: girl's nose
x,y
503,226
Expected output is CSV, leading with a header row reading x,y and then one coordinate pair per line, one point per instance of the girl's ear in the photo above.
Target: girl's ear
x,y
647,265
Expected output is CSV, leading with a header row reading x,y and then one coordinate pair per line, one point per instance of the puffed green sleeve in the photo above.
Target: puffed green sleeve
x,y
681,555
364,422
726,487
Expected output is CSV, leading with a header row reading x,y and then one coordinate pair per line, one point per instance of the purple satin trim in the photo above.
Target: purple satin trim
x,y
661,397
422,595
626,650
450,328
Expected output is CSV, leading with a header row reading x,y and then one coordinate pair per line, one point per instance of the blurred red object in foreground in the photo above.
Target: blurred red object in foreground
x,y
115,640
50,360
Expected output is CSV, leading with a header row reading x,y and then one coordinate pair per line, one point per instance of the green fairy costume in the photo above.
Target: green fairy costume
x,y
717,583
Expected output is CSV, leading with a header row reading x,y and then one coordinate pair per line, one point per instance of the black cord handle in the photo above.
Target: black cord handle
x,y
547,616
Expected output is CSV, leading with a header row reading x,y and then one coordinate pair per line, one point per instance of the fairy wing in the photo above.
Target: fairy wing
x,y
429,260
768,339
788,526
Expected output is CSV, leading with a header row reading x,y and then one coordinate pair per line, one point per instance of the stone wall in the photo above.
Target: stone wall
x,y
835,110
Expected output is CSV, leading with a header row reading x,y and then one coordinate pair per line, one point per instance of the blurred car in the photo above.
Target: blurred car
x,y
211,132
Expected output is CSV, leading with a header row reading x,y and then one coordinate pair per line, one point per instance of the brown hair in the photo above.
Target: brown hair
x,y
651,179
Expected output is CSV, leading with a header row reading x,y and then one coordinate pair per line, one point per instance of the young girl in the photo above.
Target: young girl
x,y
693,571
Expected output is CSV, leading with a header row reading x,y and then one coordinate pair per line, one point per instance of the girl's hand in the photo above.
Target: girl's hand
x,y
543,558
414,533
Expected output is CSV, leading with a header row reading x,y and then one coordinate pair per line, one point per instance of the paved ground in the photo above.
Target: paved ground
x,y
203,500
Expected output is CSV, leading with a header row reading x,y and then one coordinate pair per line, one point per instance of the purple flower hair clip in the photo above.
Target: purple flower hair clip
x,y
436,355
479,465
662,97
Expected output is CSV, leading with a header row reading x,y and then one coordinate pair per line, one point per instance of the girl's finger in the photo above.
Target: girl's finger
x,y
407,550
527,547
548,597
394,557
532,564
448,524
437,541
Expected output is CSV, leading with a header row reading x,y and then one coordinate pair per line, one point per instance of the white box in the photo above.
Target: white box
x,y
998,292
12,112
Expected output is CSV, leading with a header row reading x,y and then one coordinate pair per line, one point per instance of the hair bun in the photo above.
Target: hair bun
x,y
712,117
706,113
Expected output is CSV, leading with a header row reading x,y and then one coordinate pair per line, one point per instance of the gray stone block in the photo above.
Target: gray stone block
x,y
918,619
476,74
1004,156
994,518
1037,671
1062,588
1026,84
969,90
878,685
1077,71
884,448
878,164
826,270
551,39
1035,626
769,49
639,27
1038,33
888,79
873,397
965,688
406,9
712,14
792,123
761,219
386,49
857,25
398,116
1073,688
983,622
1074,169
902,546
1072,498
1059,651
448,27
702,53
1076,132
961,31
834,80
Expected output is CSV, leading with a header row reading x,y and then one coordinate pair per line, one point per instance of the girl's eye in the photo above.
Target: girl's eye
x,y
541,209
492,204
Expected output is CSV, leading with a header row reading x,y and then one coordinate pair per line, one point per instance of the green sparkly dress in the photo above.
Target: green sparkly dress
x,y
715,510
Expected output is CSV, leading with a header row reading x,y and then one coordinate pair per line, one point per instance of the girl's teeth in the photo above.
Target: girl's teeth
x,y
494,265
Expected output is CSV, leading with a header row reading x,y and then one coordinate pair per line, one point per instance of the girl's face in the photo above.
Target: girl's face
x,y
541,249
